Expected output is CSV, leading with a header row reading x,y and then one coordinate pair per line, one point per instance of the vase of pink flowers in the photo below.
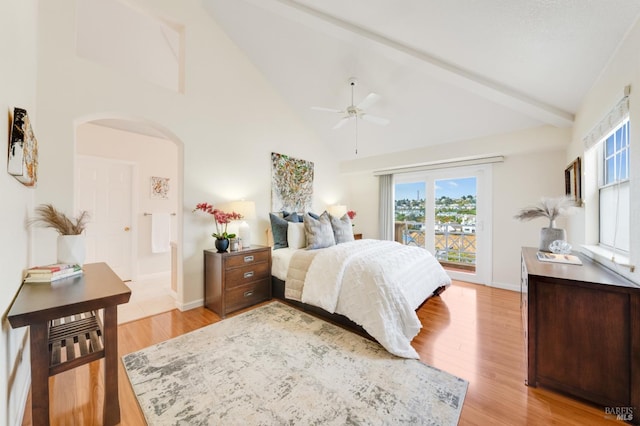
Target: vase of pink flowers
x,y
351,214
221,220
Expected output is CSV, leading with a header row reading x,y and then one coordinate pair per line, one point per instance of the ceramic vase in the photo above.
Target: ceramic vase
x,y
549,235
71,249
222,244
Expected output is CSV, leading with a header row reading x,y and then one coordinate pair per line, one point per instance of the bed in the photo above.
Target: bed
x,y
371,286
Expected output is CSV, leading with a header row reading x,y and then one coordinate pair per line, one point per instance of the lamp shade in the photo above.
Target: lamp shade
x,y
337,210
246,208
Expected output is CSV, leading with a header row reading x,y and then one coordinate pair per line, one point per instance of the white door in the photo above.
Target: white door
x,y
104,189
448,212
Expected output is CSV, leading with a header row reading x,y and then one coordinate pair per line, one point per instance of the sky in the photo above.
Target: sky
x,y
452,188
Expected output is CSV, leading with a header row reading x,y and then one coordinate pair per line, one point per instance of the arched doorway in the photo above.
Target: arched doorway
x,y
116,159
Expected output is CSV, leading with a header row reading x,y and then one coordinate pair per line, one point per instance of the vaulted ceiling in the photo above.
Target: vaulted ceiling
x,y
445,70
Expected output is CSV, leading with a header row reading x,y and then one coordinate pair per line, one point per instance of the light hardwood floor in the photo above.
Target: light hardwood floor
x,y
472,331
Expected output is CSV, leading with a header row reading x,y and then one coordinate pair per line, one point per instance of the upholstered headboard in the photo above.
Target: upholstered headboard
x,y
269,236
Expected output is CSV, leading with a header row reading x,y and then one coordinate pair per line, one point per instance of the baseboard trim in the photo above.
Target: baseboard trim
x,y
191,305
504,286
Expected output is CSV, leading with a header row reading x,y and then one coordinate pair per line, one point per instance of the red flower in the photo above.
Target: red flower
x,y
351,214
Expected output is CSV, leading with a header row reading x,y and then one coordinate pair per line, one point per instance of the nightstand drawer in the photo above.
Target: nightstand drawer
x,y
241,276
241,297
243,259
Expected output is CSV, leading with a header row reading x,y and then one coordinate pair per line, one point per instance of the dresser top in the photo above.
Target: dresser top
x,y
253,248
590,271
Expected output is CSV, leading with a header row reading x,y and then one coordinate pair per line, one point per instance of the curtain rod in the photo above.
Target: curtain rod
x,y
440,165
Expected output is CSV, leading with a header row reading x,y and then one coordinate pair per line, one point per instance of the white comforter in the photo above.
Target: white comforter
x,y
378,285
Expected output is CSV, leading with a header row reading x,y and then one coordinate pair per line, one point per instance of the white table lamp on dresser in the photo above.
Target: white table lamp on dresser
x,y
337,210
248,211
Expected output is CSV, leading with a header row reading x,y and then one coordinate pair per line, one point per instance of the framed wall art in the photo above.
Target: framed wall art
x,y
159,188
573,181
23,149
291,183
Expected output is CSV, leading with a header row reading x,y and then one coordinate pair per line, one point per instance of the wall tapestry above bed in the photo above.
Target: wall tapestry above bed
x,y
291,183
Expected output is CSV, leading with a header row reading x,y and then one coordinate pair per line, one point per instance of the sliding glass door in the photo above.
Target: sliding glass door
x,y
447,212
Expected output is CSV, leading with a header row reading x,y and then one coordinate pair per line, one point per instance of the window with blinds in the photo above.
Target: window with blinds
x,y
614,188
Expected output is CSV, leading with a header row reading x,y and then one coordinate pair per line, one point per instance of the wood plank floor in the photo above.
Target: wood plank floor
x,y
472,331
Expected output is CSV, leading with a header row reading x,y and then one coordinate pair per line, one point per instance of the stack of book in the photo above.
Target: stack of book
x,y
50,273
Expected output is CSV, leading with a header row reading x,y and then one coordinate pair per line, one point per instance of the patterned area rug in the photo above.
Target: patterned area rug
x,y
277,365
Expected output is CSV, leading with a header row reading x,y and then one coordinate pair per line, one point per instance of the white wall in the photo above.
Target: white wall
x,y
533,168
228,121
153,157
225,124
18,50
623,69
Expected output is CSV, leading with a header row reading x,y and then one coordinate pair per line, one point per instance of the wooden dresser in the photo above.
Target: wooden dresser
x,y
582,332
235,280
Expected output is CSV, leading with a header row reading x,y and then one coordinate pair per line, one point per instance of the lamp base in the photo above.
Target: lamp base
x,y
244,232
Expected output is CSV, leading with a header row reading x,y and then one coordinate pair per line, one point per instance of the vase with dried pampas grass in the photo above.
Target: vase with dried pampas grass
x,y
550,208
70,243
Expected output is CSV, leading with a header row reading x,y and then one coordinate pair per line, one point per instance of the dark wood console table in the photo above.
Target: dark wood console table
x,y
582,332
66,332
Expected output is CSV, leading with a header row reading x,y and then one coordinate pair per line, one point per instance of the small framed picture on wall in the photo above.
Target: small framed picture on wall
x,y
573,181
159,188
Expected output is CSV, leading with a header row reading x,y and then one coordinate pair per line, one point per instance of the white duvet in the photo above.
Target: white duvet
x,y
378,285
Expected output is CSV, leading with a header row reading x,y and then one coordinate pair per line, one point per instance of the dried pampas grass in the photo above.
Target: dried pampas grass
x,y
551,208
49,217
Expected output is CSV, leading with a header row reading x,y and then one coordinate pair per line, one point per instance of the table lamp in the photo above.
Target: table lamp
x,y
248,211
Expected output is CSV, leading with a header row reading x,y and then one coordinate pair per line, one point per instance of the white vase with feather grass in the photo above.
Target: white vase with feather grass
x,y
550,208
71,240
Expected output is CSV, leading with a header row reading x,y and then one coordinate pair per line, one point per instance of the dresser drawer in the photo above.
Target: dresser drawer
x,y
241,276
247,295
244,259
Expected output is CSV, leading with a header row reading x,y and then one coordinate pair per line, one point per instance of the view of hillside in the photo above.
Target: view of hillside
x,y
448,210
454,220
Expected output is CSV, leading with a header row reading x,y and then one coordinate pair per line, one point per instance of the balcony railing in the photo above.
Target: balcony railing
x,y
455,244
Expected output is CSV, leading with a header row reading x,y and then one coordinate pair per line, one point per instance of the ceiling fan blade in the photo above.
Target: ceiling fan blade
x,y
326,109
342,122
368,101
374,119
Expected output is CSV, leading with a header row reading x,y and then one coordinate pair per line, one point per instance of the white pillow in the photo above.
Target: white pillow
x,y
296,238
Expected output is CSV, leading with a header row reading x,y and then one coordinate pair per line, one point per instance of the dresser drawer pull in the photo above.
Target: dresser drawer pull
x,y
248,274
248,258
248,293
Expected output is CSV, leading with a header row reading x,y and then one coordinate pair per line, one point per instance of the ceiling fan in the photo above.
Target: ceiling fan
x,y
356,111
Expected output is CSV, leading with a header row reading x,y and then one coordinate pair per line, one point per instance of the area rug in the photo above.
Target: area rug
x,y
276,365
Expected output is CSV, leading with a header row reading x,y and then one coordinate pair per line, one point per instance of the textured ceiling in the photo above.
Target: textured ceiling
x,y
445,70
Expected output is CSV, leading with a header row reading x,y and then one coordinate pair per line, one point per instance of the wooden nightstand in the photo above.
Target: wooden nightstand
x,y
235,280
357,236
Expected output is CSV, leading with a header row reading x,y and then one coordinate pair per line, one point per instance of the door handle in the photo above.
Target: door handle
x,y
127,229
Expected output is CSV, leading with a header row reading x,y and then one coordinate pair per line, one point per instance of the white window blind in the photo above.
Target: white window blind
x,y
614,187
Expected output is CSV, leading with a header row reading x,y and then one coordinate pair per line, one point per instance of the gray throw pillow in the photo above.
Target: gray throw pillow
x,y
319,231
279,228
342,229
291,216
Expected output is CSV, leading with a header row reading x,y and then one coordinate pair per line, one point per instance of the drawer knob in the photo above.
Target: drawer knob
x,y
248,293
248,259
248,274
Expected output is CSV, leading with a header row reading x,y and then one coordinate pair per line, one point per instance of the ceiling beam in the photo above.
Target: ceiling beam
x,y
402,53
